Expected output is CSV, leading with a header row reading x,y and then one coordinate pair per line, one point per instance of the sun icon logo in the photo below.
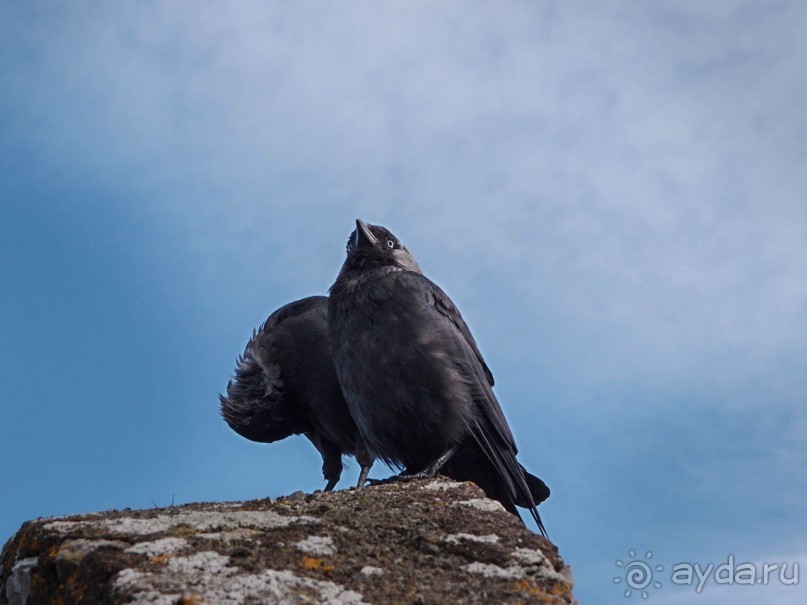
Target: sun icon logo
x,y
638,574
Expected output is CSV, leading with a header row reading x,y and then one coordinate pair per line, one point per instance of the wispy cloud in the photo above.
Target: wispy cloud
x,y
644,176
634,172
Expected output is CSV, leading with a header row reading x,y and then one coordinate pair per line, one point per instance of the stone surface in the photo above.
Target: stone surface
x,y
432,541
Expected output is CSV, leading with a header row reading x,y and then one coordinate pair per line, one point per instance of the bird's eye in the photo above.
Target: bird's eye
x,y
390,243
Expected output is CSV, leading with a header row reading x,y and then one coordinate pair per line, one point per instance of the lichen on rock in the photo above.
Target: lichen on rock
x,y
433,541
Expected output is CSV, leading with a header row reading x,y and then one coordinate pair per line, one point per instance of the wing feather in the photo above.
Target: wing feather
x,y
489,429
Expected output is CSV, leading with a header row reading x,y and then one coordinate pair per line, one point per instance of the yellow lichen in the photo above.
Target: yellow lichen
x,y
528,587
314,563
545,594
160,559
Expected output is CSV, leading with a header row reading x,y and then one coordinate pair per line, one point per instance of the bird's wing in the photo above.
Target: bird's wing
x,y
446,306
490,428
492,410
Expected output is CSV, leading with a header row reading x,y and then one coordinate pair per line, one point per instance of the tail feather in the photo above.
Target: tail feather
x,y
255,406
538,489
512,474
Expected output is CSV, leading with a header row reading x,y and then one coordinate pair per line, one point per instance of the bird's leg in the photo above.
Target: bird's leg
x,y
365,470
331,461
365,461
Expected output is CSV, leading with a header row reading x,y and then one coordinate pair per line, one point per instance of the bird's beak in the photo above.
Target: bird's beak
x,y
363,234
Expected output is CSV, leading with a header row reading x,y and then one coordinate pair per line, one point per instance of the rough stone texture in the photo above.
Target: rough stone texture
x,y
432,541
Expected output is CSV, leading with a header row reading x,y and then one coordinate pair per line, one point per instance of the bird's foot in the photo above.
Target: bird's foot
x,y
427,473
402,477
373,482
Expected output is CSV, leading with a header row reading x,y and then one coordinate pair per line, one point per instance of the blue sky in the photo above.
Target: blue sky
x,y
613,195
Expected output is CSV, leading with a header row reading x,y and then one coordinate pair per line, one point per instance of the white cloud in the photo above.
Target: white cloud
x,y
634,171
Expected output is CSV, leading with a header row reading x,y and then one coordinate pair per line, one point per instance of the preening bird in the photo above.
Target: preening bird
x,y
285,384
413,377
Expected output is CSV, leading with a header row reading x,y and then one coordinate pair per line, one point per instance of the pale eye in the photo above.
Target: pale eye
x,y
390,243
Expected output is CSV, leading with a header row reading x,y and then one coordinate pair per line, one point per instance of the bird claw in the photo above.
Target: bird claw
x,y
402,477
373,482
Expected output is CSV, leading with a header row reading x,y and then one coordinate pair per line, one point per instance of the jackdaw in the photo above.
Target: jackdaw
x,y
285,384
413,377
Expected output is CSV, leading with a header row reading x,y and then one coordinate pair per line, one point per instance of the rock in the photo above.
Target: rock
x,y
433,541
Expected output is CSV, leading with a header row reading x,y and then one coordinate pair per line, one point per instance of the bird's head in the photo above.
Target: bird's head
x,y
371,246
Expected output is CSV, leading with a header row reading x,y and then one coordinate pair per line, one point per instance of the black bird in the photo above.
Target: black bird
x,y
285,384
413,377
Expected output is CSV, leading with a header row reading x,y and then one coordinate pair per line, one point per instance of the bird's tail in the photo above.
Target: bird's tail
x,y
254,405
538,489
518,483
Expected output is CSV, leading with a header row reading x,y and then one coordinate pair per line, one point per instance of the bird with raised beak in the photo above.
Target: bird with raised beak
x,y
413,377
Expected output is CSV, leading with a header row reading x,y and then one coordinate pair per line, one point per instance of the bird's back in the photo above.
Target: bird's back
x,y
285,382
